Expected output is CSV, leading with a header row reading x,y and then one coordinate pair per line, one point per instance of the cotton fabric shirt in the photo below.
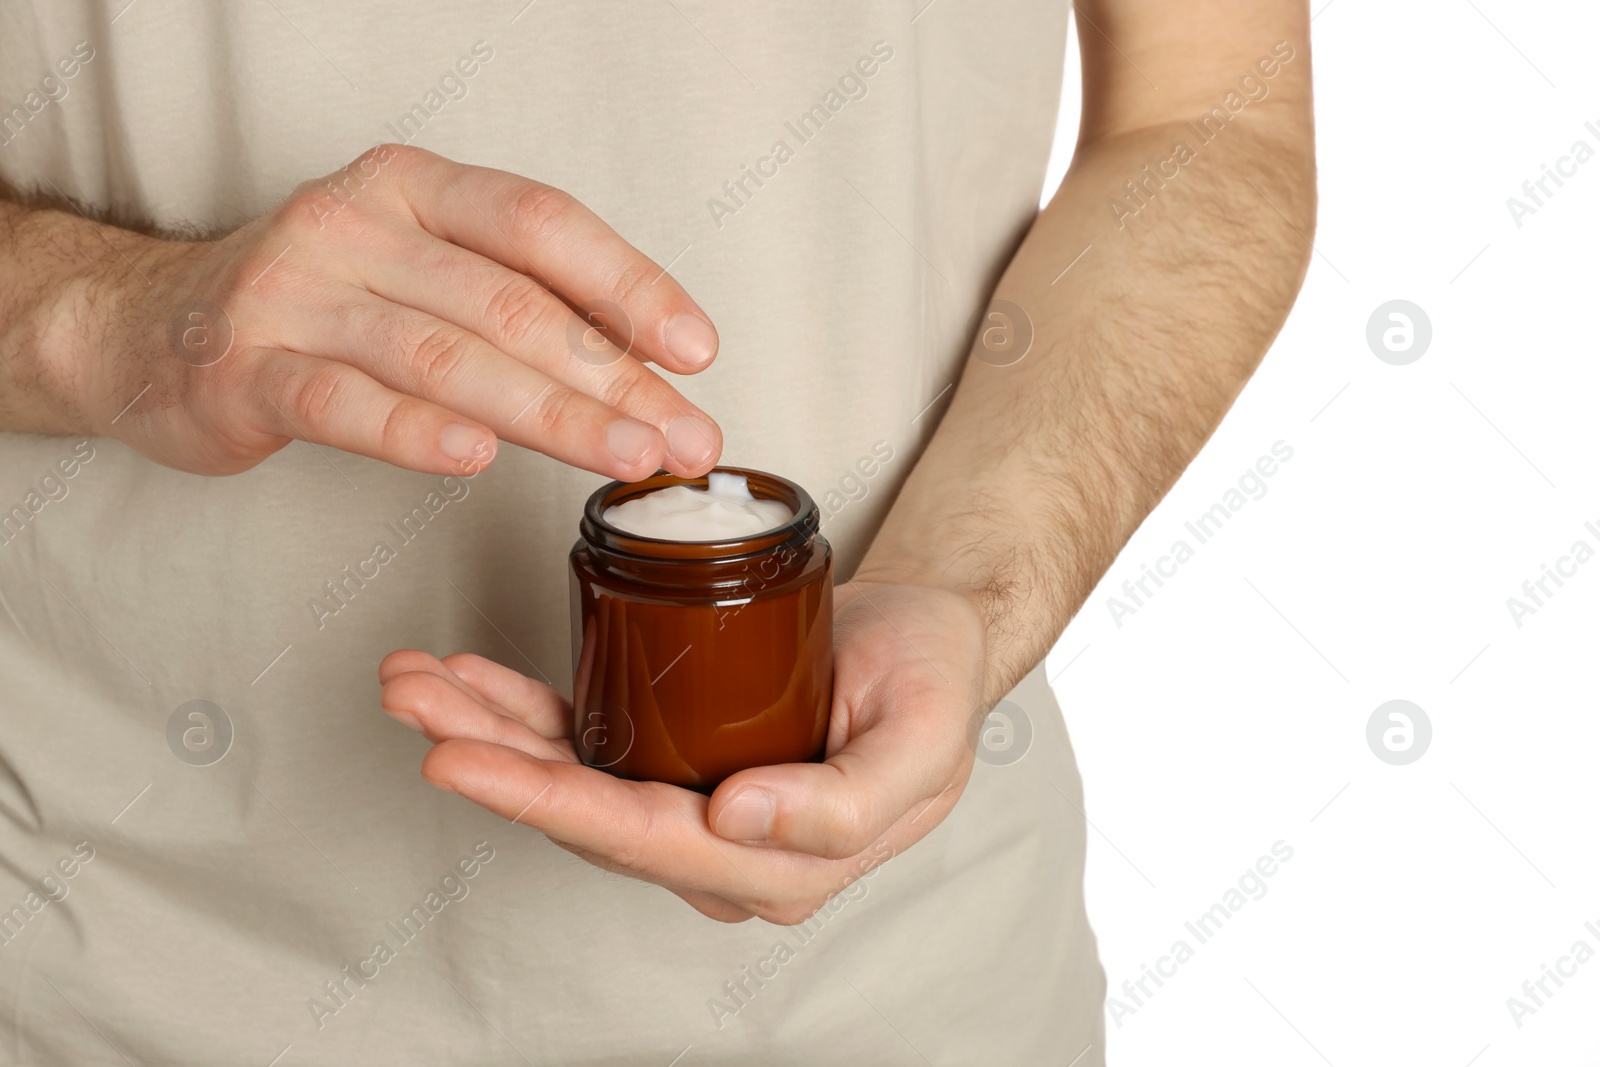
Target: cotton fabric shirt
x,y
838,185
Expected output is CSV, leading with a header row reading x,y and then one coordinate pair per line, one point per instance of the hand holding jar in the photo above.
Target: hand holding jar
x,y
770,841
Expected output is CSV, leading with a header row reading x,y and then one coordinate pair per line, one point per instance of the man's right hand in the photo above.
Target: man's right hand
x,y
422,312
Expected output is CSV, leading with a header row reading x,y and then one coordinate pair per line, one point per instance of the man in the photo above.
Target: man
x,y
273,427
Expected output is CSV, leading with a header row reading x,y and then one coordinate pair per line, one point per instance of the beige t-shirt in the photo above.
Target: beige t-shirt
x,y
306,895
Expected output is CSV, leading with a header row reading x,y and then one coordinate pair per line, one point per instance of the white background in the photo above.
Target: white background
x,y
1230,712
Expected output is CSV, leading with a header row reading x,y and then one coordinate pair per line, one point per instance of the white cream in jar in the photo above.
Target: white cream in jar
x,y
724,510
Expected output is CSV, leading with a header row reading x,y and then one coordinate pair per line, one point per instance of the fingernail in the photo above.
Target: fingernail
x,y
630,441
748,816
691,339
691,440
407,718
465,443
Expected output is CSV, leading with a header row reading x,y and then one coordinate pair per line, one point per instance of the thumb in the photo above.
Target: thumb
x,y
835,809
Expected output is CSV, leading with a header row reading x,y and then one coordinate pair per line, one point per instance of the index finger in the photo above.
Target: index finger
x,y
542,231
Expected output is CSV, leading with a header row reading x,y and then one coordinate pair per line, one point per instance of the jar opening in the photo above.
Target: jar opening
x,y
601,534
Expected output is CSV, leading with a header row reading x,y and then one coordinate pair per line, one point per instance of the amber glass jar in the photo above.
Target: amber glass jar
x,y
696,659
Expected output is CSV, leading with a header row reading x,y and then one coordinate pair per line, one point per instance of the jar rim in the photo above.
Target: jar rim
x,y
801,527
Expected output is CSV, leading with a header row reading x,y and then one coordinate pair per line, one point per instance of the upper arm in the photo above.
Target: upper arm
x,y
1153,62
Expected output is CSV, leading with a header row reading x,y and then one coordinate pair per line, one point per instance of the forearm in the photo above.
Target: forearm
x,y
54,265
1041,470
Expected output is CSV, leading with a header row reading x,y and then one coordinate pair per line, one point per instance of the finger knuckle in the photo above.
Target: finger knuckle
x,y
351,181
631,854
389,152
633,390
342,201
540,210
318,396
304,196
518,309
438,356
315,206
556,414
848,829
633,280
398,427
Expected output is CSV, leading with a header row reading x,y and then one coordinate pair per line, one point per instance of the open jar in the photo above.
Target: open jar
x,y
696,659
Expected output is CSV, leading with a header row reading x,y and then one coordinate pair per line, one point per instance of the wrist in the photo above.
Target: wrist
x,y
1023,595
876,574
74,341
991,618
